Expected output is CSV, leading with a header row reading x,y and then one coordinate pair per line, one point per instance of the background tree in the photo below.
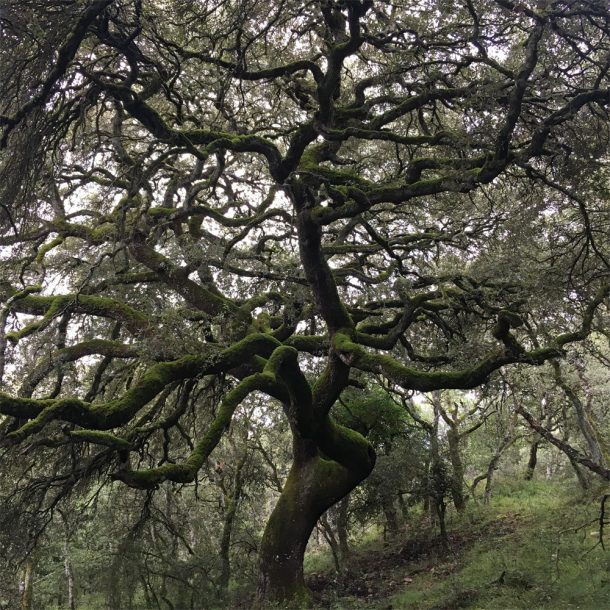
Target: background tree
x,y
216,200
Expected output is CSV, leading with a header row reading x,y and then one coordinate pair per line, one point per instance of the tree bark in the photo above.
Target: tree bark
x,y
404,509
329,536
232,504
583,412
583,480
27,585
68,568
532,461
69,572
313,485
457,467
391,516
570,451
438,475
491,468
342,523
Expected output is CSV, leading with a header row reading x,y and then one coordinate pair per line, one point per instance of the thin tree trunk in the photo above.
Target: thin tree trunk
x,y
441,508
532,461
583,480
26,587
342,523
507,441
437,472
227,530
329,536
476,481
583,413
68,569
491,468
3,320
391,516
504,444
69,572
457,467
404,509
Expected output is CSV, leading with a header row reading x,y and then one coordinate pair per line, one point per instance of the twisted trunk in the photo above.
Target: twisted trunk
x,y
313,485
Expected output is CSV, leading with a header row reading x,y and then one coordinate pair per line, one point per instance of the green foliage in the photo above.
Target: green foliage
x,y
534,548
373,413
216,214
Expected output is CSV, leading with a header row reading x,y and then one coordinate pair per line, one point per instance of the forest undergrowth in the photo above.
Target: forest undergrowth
x,y
537,545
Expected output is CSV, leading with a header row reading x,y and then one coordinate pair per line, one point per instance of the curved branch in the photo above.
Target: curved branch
x,y
572,453
112,349
65,54
280,363
104,416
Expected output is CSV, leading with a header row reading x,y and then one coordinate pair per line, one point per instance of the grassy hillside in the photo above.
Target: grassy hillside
x,y
536,546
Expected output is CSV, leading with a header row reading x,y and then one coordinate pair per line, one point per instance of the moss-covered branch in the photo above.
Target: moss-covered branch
x,y
111,349
317,271
347,447
104,416
97,437
269,381
426,381
205,298
50,307
213,141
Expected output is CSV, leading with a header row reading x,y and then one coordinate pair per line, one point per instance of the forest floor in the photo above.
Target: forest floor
x,y
535,546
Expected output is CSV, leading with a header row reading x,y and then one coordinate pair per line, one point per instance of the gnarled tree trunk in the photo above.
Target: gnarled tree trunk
x,y
313,485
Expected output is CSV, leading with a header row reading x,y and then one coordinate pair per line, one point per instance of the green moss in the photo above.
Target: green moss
x,y
50,306
255,343
55,410
96,346
310,158
187,471
423,381
111,308
125,203
104,232
262,323
310,343
55,307
117,412
22,407
100,438
160,212
45,248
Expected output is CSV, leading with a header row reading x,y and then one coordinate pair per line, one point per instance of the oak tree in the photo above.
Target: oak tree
x,y
205,200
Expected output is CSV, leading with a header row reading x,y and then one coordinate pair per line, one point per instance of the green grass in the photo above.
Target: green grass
x,y
533,551
533,548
